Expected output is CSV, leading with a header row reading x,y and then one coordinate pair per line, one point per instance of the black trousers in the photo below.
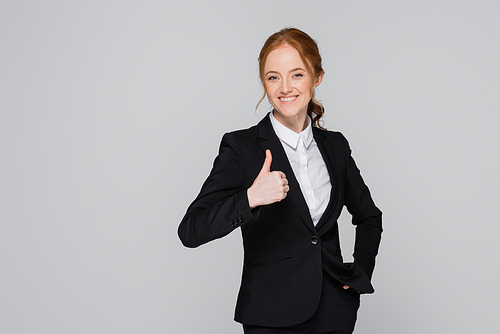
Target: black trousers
x,y
336,313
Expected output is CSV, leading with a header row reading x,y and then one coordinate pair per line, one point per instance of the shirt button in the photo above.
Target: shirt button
x,y
314,240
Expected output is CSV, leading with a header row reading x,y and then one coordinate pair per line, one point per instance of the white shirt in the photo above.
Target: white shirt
x,y
307,165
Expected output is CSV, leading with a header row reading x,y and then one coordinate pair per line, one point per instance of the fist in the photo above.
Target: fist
x,y
268,187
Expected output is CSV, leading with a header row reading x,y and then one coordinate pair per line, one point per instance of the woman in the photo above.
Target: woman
x,y
284,182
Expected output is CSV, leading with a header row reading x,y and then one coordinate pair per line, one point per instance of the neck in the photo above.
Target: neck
x,y
297,123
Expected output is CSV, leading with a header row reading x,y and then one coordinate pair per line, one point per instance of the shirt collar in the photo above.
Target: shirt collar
x,y
290,137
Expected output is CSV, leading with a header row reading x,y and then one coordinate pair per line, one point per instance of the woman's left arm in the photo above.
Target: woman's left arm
x,y
365,215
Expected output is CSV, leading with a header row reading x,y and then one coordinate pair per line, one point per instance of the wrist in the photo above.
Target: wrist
x,y
251,201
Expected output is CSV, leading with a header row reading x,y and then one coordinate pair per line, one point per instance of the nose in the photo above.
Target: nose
x,y
286,86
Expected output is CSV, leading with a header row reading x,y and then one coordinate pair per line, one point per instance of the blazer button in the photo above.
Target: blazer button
x,y
314,240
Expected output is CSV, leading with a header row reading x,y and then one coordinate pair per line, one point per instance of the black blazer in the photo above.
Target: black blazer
x,y
284,253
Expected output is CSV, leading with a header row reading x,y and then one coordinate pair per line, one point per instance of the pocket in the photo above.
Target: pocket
x,y
270,261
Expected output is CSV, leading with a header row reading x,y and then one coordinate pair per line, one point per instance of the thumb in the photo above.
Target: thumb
x,y
266,167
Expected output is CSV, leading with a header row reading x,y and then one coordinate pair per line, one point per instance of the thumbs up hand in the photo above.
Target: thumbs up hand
x,y
268,187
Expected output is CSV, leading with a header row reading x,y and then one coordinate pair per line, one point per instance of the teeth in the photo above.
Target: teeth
x,y
288,99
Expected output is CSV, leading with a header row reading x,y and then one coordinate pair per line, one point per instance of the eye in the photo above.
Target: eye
x,y
272,78
298,75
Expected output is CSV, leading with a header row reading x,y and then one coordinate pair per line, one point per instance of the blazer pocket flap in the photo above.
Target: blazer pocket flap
x,y
270,261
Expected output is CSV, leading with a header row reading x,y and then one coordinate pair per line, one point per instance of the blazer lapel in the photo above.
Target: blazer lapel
x,y
269,140
326,150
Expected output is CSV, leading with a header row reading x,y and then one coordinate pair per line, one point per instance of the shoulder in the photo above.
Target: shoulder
x,y
243,138
336,138
243,133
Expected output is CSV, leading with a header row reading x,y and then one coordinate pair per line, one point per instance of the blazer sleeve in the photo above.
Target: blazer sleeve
x,y
222,204
365,215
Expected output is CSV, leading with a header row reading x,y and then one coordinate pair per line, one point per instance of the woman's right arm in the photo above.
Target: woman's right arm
x,y
222,204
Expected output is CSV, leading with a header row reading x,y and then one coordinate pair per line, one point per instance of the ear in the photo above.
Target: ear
x,y
319,79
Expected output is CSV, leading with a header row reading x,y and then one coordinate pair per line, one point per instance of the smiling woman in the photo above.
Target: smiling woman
x,y
289,85
284,183
311,63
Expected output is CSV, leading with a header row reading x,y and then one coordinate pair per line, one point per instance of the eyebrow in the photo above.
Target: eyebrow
x,y
295,69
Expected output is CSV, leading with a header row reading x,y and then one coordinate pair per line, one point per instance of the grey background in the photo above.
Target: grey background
x,y
98,99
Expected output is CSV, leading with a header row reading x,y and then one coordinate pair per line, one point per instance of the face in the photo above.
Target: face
x,y
288,86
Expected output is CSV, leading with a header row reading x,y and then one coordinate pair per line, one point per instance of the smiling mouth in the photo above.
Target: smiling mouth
x,y
288,99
